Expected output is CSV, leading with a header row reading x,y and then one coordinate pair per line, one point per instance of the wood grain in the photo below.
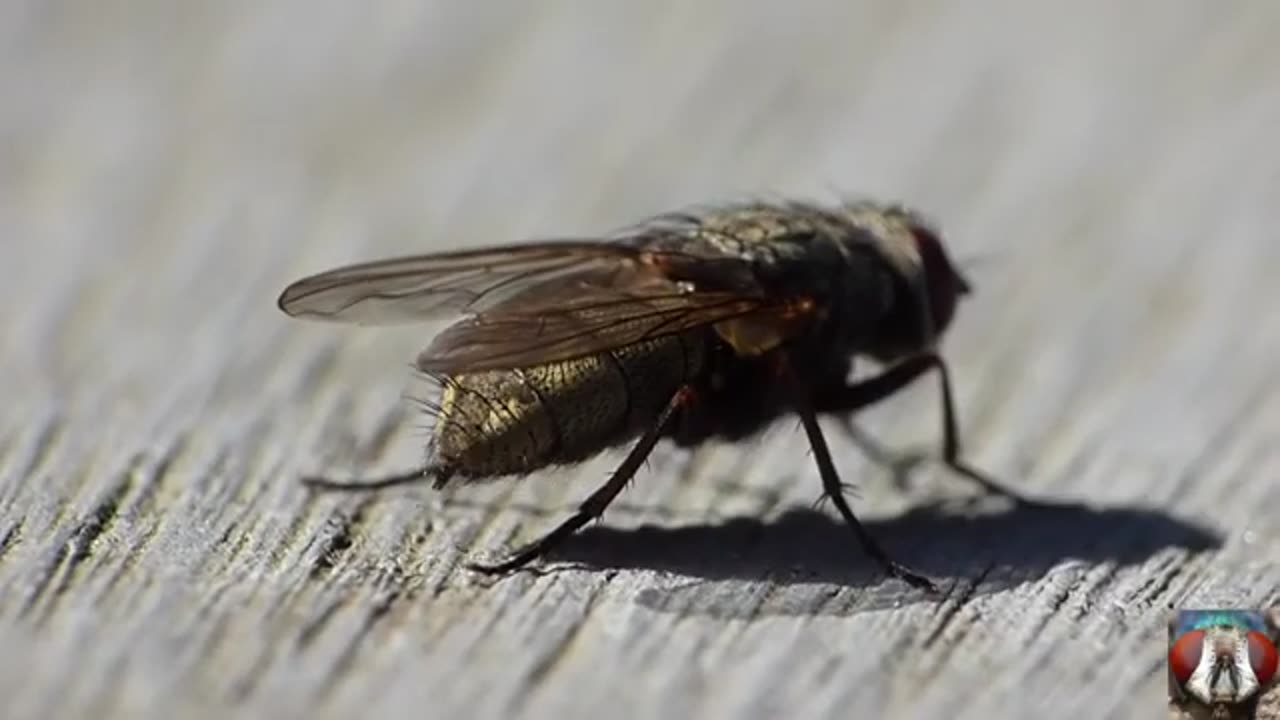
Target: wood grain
x,y
1108,169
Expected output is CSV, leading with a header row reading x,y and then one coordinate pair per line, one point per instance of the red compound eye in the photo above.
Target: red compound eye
x,y
1262,656
1184,656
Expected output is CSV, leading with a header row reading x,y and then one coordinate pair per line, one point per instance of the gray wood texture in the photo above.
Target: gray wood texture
x,y
1110,170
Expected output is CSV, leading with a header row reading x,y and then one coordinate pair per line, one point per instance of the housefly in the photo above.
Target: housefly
x,y
689,326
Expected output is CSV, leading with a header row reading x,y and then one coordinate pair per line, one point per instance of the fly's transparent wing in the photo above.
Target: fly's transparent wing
x,y
540,302
411,289
583,315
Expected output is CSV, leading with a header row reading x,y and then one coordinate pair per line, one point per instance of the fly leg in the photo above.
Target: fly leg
x,y
594,506
441,476
831,486
901,464
848,398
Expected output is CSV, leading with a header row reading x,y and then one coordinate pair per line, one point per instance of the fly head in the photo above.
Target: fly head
x,y
943,282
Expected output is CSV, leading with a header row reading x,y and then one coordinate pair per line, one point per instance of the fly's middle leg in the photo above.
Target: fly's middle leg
x,y
804,407
595,504
849,398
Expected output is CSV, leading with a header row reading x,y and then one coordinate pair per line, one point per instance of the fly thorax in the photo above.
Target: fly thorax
x,y
759,333
888,240
894,313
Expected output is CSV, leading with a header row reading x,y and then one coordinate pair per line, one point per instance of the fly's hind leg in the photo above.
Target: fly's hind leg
x,y
439,476
848,398
595,504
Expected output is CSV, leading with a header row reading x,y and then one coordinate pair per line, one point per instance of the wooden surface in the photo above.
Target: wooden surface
x,y
1109,169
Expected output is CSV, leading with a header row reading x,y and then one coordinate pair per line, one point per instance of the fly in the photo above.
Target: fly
x,y
692,326
1222,660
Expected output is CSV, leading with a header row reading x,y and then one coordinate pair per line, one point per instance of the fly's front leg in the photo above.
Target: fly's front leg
x,y
849,398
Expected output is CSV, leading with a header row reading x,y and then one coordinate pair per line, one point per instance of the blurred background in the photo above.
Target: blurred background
x,y
166,168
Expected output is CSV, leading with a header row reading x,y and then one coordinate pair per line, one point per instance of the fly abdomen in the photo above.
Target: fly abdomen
x,y
513,422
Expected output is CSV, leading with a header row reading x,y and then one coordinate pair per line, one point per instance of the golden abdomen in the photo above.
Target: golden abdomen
x,y
517,421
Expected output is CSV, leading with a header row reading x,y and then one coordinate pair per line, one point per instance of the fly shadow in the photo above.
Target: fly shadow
x,y
807,562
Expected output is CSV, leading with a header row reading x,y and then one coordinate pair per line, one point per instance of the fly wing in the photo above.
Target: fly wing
x,y
539,302
416,288
583,314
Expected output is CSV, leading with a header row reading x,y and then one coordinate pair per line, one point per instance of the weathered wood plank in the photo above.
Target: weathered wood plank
x,y
166,168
